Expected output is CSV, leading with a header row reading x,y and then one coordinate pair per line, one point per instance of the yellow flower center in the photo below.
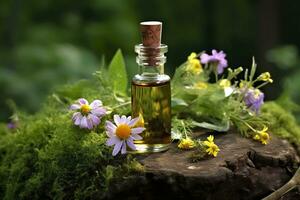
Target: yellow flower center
x,y
265,136
85,109
214,148
123,131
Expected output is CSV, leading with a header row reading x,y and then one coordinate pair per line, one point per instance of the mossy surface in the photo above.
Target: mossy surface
x,y
47,157
281,122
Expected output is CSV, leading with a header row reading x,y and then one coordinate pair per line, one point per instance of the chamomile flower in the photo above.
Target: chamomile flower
x,y
88,115
123,133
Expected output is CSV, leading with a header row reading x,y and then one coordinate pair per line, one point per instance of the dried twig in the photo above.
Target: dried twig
x,y
295,180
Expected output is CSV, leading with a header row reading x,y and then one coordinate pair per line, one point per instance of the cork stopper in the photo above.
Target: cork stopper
x,y
151,33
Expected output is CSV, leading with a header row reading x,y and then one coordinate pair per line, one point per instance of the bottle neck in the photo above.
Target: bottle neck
x,y
151,60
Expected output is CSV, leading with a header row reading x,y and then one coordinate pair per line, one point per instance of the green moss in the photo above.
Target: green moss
x,y
281,122
47,157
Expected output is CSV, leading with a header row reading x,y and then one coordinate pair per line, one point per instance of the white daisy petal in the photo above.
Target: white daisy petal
x,y
89,123
110,128
111,141
75,107
127,120
117,147
123,119
96,104
117,120
83,123
137,130
133,121
83,101
76,115
131,144
98,111
94,118
137,137
123,151
109,134
78,120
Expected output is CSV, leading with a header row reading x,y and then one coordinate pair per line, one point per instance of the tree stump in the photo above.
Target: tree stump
x,y
243,169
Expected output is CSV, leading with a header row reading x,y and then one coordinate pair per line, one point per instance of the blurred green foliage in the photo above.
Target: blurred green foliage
x,y
287,59
46,43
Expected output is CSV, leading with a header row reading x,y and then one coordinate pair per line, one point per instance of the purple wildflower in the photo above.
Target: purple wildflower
x,y
123,133
254,99
12,125
88,115
217,58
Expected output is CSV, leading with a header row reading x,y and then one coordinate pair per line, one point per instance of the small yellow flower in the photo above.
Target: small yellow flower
x,y
257,94
256,137
193,64
262,136
186,143
192,56
200,85
266,76
212,148
242,84
210,138
225,83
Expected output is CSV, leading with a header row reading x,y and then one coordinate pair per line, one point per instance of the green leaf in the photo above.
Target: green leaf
x,y
178,102
221,127
117,73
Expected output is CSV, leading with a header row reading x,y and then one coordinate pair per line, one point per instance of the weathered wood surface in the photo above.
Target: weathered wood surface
x,y
244,169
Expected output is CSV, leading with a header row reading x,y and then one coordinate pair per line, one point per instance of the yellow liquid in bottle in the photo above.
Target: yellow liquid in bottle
x,y
151,102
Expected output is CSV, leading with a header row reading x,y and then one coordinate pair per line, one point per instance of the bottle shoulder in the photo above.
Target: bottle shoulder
x,y
145,80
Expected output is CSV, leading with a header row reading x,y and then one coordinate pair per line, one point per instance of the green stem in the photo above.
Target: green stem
x,y
184,129
248,125
261,85
121,105
216,76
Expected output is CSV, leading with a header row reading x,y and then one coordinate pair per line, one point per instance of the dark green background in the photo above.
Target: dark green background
x,y
51,42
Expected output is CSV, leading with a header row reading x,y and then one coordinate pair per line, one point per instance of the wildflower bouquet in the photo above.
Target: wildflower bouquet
x,y
207,95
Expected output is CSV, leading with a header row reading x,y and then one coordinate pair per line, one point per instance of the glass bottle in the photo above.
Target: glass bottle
x,y
151,93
